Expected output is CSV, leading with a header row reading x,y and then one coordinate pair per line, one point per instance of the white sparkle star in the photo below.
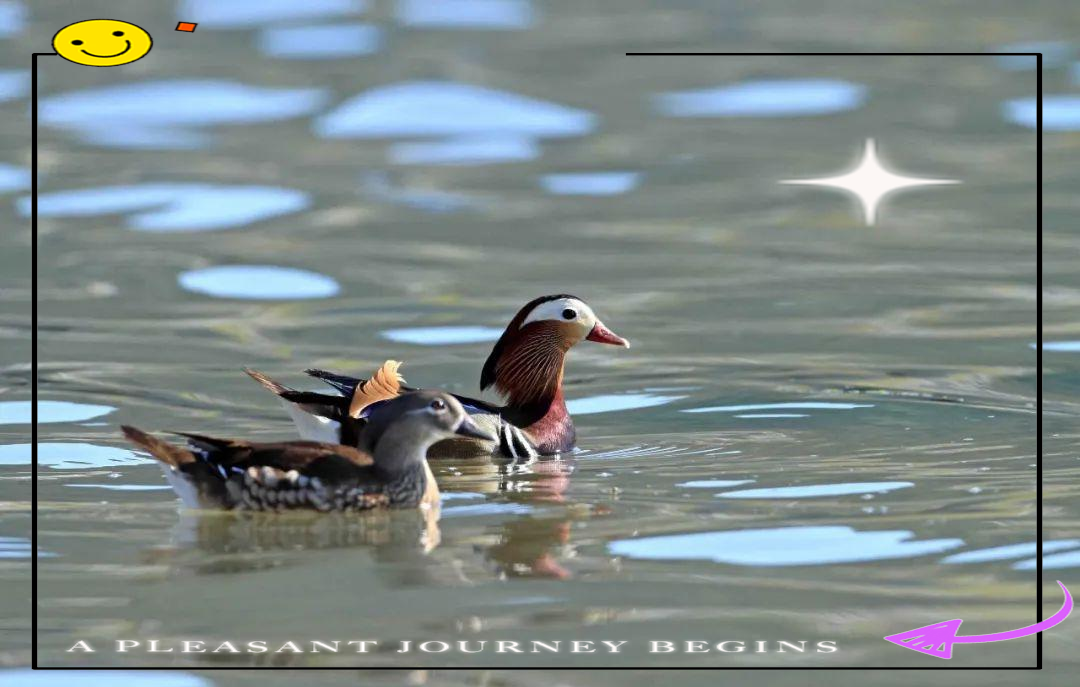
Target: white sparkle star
x,y
870,182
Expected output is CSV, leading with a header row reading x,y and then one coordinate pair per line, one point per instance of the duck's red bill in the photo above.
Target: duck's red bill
x,y
601,334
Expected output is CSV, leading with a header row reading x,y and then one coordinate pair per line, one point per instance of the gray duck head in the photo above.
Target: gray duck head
x,y
400,431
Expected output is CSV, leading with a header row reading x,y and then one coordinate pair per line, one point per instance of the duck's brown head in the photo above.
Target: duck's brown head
x,y
526,363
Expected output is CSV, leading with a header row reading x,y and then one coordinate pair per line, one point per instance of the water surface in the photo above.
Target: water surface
x,y
822,430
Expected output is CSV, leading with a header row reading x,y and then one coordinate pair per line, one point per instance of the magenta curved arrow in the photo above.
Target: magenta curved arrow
x,y
938,639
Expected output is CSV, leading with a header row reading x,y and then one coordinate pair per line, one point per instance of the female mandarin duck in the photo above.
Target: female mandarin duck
x,y
525,366
388,470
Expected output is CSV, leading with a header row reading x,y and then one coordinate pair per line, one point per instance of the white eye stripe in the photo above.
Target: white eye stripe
x,y
553,311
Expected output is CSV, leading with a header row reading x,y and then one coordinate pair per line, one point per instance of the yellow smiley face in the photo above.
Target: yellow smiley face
x,y
102,42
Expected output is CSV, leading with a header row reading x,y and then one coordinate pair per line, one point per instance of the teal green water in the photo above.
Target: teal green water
x,y
823,430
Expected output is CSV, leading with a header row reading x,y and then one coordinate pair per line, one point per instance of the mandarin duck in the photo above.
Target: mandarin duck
x,y
387,469
525,366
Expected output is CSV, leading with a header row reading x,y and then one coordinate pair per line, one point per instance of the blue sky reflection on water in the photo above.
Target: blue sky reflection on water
x,y
238,14
258,282
316,42
465,14
816,490
12,18
13,178
590,183
24,677
446,108
1060,112
18,412
14,83
1060,346
440,336
607,403
171,113
70,455
766,98
782,546
794,405
1002,553
174,207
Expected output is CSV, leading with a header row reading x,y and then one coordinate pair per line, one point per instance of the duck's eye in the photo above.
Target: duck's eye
x,y
118,33
569,314
438,404
76,42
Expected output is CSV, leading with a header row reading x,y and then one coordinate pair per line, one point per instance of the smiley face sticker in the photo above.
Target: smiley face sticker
x,y
102,42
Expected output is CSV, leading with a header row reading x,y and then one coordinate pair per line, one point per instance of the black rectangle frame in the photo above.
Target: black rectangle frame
x,y
1038,386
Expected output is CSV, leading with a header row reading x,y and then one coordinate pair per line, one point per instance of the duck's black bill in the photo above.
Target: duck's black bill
x,y
468,428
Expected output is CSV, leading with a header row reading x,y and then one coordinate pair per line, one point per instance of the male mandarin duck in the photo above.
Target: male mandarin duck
x,y
388,470
525,366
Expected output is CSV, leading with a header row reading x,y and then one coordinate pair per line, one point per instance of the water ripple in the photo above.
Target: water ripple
x,y
1055,54
590,183
465,150
782,546
14,83
18,547
25,677
258,282
174,207
465,14
1002,553
438,336
320,42
167,114
771,416
12,18
19,412
443,108
607,403
13,178
70,456
768,98
490,508
123,487
236,14
379,186
807,405
1056,561
1060,346
1060,112
714,483
816,490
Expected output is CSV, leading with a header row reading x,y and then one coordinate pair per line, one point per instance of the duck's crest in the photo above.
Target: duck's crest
x,y
383,385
